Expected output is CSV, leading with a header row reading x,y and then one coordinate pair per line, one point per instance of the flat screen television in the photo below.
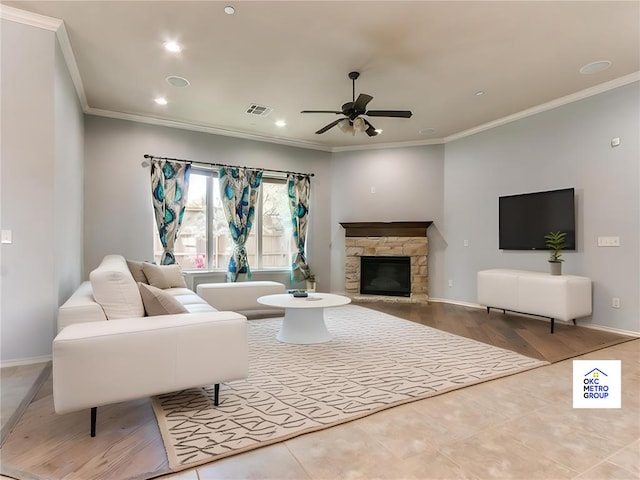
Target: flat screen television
x,y
524,220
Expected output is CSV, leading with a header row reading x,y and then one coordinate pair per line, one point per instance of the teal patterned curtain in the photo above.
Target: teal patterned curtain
x,y
299,188
169,188
239,188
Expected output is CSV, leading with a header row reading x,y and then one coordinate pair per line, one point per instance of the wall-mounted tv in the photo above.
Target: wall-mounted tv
x,y
525,219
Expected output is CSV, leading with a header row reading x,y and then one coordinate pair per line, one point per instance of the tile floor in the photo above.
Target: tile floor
x,y
518,427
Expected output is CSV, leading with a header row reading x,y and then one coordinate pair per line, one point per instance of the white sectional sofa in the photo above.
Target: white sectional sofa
x,y
107,350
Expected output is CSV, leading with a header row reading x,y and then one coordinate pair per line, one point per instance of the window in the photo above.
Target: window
x,y
205,243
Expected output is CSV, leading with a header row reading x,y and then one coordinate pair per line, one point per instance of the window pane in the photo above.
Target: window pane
x,y
191,246
273,225
277,242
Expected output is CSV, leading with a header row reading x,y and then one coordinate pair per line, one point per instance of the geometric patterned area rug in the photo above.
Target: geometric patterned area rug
x,y
374,361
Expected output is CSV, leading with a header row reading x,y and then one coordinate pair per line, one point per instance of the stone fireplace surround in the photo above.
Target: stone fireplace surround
x,y
387,239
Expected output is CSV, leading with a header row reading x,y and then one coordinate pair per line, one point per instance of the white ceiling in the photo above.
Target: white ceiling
x,y
426,56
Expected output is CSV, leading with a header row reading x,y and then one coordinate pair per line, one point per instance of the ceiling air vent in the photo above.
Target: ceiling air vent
x,y
259,110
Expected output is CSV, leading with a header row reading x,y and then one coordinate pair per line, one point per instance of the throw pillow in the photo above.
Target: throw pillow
x,y
164,276
135,268
157,302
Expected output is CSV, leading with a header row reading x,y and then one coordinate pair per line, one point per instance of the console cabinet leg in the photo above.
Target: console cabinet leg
x,y
216,394
94,415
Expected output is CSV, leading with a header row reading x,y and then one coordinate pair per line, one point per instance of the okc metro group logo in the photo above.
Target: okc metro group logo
x,y
596,384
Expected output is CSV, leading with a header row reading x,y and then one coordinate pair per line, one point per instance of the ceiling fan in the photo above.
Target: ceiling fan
x,y
354,110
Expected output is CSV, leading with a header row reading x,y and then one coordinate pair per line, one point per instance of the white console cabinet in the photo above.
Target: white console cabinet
x,y
562,297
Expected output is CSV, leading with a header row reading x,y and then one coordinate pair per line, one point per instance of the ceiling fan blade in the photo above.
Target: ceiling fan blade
x,y
389,113
320,111
331,125
361,102
371,130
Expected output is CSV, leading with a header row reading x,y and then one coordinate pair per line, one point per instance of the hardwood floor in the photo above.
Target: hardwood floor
x,y
44,445
523,334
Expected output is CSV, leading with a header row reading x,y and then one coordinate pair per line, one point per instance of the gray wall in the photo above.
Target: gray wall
x,y
41,179
68,181
408,185
565,147
118,210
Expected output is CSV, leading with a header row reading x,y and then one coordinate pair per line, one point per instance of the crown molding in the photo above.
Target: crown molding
x,y
384,146
206,129
558,102
28,18
72,65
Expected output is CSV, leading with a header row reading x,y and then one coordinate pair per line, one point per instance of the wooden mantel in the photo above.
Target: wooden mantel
x,y
385,229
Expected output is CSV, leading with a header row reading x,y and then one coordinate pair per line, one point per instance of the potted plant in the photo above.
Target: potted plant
x,y
555,244
311,283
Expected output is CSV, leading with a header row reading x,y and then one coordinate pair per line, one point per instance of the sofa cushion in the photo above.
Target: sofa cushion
x,y
163,276
81,307
135,267
115,289
192,302
159,302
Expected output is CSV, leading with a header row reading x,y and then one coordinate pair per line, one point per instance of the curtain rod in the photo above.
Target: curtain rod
x,y
213,164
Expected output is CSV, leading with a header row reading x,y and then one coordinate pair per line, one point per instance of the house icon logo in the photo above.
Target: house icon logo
x,y
599,387
594,386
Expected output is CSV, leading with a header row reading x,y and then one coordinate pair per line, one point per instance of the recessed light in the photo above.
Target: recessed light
x,y
177,81
595,67
161,101
281,123
173,47
229,10
427,131
479,93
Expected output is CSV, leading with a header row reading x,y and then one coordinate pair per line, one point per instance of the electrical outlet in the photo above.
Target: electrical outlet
x,y
615,302
466,243
608,241
450,283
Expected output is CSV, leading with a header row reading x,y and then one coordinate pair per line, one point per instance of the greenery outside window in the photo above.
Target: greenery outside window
x,y
204,242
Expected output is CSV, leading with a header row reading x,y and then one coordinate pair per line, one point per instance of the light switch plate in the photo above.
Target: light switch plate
x,y
6,236
608,241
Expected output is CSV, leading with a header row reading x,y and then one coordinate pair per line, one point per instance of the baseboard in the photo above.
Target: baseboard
x,y
619,331
25,361
455,302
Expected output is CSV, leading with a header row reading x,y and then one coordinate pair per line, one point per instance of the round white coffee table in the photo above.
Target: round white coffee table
x,y
303,321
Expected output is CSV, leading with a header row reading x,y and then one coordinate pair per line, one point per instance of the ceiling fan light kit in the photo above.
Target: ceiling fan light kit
x,y
346,126
353,112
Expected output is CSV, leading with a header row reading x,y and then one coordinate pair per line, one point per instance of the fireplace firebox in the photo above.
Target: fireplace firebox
x,y
385,276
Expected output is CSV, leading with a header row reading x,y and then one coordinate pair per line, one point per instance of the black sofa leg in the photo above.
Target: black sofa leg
x,y
552,322
216,394
94,415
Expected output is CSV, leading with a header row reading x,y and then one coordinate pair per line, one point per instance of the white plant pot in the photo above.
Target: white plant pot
x,y
556,268
311,286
